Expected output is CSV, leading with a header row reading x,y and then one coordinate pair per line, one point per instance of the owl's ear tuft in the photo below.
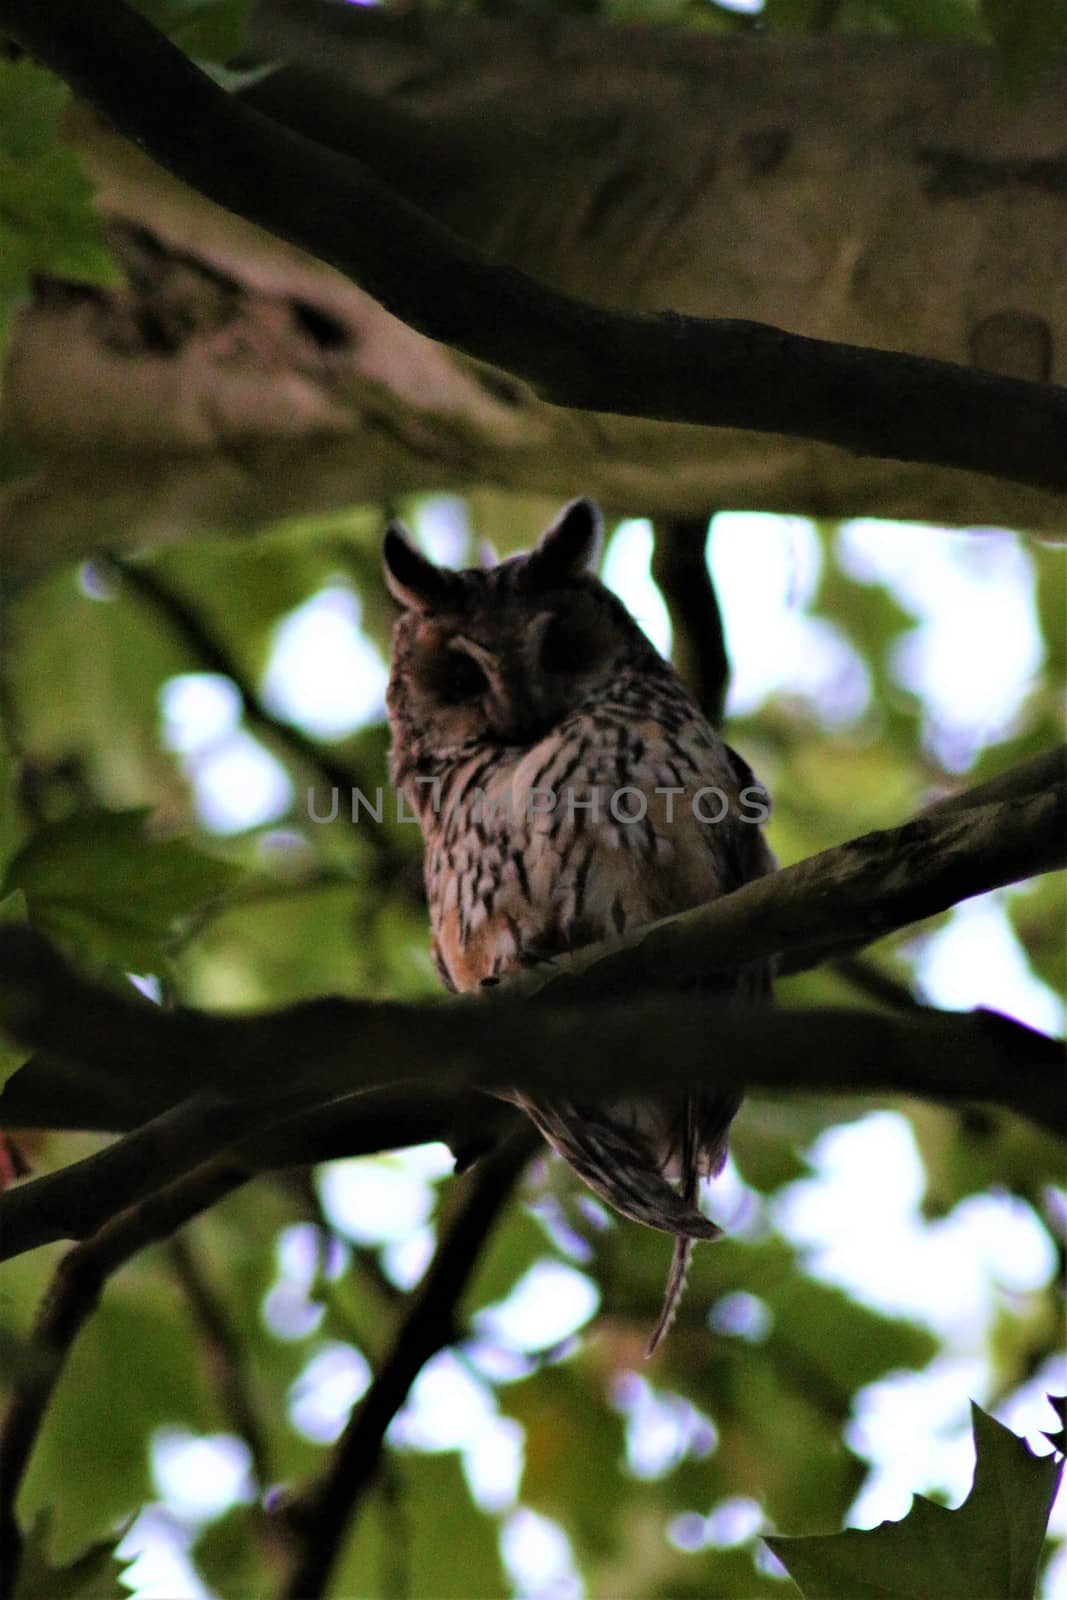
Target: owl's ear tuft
x,y
412,580
569,545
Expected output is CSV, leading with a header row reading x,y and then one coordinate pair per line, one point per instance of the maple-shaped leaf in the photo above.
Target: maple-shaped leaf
x,y
96,1574
990,1545
1058,1439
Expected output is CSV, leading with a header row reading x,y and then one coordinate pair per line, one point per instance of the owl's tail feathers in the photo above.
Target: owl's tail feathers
x,y
620,1168
680,1259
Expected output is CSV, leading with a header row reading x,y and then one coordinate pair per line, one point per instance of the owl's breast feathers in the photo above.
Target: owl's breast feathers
x,y
608,823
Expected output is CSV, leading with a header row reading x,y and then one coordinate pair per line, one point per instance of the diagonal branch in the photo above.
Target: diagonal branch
x,y
196,634
71,1299
325,1516
225,1356
721,373
81,1197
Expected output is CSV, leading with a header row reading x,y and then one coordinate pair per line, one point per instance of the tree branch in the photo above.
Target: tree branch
x,y
837,902
680,568
490,1043
81,1197
70,1301
324,1517
225,1356
212,655
725,373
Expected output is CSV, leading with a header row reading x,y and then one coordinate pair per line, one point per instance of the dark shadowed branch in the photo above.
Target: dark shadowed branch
x,y
71,1299
835,903
493,1043
680,569
191,627
876,984
280,1089
323,1517
78,1199
667,366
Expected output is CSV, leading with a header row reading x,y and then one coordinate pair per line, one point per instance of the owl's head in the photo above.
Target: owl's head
x,y
501,656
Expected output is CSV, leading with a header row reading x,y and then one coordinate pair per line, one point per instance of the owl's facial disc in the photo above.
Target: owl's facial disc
x,y
504,656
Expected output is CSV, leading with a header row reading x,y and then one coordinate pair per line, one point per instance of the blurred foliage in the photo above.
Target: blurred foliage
x,y
47,223
104,845
208,30
106,849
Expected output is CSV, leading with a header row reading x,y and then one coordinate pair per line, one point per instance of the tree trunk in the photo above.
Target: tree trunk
x,y
870,191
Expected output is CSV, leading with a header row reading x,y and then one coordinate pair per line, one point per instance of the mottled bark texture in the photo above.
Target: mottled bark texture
x,y
868,191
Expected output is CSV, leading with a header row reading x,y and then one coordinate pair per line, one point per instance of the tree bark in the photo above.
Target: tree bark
x,y
868,191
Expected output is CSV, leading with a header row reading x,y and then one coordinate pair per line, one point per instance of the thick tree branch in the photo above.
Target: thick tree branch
x,y
819,908
71,1299
310,1050
728,373
324,1517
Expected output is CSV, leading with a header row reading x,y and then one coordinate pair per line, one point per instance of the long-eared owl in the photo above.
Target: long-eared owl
x,y
568,789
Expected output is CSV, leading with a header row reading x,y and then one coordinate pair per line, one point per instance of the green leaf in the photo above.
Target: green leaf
x,y
209,30
47,222
91,1462
229,1558
514,1246
421,1534
102,885
93,1575
574,1452
11,828
991,1545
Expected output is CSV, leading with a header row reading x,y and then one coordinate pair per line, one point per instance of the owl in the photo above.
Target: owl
x,y
569,790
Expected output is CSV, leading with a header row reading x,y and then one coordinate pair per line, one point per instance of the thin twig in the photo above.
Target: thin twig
x,y
680,568
323,1519
70,1301
225,1355
725,373
205,645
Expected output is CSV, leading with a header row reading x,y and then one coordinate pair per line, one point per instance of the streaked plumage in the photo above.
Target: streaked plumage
x,y
531,680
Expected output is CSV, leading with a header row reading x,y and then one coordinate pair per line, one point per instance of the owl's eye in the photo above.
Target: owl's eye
x,y
461,678
568,647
